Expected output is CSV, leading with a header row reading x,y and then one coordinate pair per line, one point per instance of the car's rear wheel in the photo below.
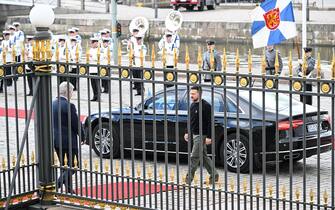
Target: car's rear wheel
x,y
201,7
105,141
232,159
190,8
211,7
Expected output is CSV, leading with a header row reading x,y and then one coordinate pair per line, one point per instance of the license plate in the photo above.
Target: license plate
x,y
312,128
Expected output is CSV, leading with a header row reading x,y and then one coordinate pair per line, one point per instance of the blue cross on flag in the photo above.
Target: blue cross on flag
x,y
273,22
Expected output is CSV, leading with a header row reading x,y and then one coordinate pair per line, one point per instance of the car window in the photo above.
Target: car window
x,y
218,101
159,100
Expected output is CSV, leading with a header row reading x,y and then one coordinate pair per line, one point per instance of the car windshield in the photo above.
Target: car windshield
x,y
270,100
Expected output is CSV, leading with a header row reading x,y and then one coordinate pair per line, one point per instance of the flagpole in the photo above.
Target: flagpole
x,y
304,24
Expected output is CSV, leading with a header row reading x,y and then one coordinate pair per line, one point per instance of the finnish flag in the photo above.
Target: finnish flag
x,y
273,22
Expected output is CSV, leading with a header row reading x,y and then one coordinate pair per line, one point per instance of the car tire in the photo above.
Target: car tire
x,y
190,8
106,143
232,152
201,7
211,7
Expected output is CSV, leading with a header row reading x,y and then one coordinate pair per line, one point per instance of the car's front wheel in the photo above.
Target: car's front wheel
x,y
237,153
104,141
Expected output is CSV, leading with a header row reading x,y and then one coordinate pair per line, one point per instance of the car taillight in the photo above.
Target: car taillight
x,y
285,125
194,1
173,1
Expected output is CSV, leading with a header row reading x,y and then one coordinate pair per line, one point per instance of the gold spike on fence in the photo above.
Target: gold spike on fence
x,y
65,160
23,50
224,60
108,55
23,160
138,171
161,173
3,163
153,56
106,166
33,157
4,55
237,60
270,190
232,184
117,167
164,57
87,54
13,55
311,196
283,192
57,53
290,66
297,194
75,162
150,173
304,65
211,59
196,180
318,67
77,53
257,188
130,56
96,165
199,58
48,50
187,59
245,185
98,55
141,57
277,63
56,162
263,63
119,55
43,57
66,53
175,57
85,164
249,61
13,161
325,198
127,169
172,175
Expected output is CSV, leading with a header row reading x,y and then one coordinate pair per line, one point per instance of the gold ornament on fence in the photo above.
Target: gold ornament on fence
x,y
218,80
147,75
2,72
125,73
297,86
82,70
325,88
103,72
193,78
19,69
61,69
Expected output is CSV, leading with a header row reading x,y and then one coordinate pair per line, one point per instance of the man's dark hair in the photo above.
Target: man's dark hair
x,y
198,88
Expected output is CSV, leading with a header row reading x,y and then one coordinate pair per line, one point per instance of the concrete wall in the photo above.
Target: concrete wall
x,y
318,34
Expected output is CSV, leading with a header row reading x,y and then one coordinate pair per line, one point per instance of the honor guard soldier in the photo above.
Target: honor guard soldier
x,y
30,67
62,44
74,45
6,56
95,83
270,56
206,64
170,43
104,60
309,74
132,39
71,33
76,33
138,47
19,41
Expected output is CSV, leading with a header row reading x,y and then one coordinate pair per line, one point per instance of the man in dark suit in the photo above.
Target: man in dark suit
x,y
65,131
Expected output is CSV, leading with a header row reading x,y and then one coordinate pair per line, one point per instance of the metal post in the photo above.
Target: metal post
x,y
304,24
43,126
156,9
114,32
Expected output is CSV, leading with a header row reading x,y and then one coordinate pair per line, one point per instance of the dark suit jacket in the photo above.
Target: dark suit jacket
x,y
66,133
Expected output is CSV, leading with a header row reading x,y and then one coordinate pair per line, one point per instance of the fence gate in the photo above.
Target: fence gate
x,y
121,147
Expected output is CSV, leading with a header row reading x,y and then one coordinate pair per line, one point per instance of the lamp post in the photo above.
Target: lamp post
x,y
42,17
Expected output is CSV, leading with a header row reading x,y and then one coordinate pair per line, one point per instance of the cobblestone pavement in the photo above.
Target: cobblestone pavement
x,y
315,174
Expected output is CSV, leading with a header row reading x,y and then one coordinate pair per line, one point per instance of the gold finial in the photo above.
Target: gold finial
x,y
117,167
106,166
108,55
141,57
325,197
96,165
184,179
77,53
161,173
283,191
199,58
13,161
311,195
224,60
277,63
138,171
38,48
318,67
172,175
57,53
211,59
49,53
297,194
195,180
187,59
98,55
13,54
87,54
175,57
66,52
257,187
33,157
130,55
263,63
55,158
219,184
65,160
23,50
237,61
270,190
245,184
3,163
333,67
23,160
4,52
127,169
150,172
290,66
164,57
232,185
119,55
249,61
208,183
304,65
85,164
75,162
153,56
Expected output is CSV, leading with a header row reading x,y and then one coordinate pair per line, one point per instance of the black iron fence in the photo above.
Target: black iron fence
x,y
269,148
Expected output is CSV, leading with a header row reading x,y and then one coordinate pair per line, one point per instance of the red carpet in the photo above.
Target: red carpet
x,y
21,113
116,188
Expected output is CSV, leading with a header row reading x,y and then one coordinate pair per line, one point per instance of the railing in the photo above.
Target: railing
x,y
255,120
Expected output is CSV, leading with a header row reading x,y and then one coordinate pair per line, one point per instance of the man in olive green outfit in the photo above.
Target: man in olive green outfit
x,y
205,139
